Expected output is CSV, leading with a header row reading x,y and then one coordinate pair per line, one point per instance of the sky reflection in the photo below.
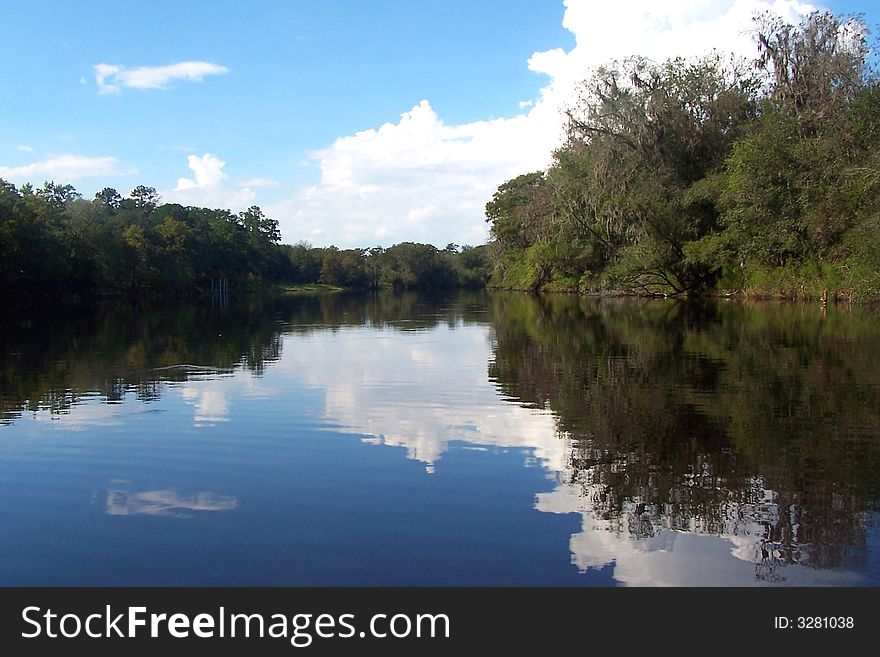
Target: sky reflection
x,y
479,482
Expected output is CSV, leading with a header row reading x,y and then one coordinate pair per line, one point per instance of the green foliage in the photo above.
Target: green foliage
x,y
346,268
688,177
305,262
860,269
623,196
54,244
411,266
404,266
518,209
473,266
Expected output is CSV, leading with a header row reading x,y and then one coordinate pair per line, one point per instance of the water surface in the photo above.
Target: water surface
x,y
466,440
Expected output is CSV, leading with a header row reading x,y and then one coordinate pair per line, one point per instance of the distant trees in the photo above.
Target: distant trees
x,y
404,266
683,177
55,243
305,262
347,268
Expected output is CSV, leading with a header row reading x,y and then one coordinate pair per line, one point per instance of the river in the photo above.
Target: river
x,y
470,439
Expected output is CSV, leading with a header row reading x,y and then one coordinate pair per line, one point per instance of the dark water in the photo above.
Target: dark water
x,y
469,440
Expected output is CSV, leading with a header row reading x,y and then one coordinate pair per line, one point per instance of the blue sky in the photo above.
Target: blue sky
x,y
354,123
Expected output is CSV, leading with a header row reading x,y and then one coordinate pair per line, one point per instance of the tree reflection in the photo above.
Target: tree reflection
x,y
716,418
757,423
51,360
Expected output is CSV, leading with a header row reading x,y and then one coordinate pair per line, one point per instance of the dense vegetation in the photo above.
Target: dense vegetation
x,y
687,177
55,244
405,266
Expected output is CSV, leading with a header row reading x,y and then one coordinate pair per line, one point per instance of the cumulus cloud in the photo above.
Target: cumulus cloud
x,y
425,180
65,168
659,30
25,149
417,179
208,171
208,186
112,78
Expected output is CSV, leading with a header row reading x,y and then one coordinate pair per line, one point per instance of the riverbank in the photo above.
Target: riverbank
x,y
794,292
309,288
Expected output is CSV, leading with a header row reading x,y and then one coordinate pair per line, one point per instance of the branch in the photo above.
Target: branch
x,y
580,125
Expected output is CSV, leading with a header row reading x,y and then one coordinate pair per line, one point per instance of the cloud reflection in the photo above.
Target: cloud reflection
x,y
420,391
425,390
83,415
210,401
121,501
645,554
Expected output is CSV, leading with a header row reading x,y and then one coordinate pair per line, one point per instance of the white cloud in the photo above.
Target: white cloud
x,y
418,179
260,182
673,28
208,171
65,168
424,180
112,78
208,186
25,149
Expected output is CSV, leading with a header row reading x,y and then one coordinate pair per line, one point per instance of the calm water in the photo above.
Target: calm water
x,y
470,440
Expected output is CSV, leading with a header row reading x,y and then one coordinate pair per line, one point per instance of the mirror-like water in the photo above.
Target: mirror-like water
x,y
471,440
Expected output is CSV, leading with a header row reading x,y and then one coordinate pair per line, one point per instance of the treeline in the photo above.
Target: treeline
x,y
55,244
404,266
690,177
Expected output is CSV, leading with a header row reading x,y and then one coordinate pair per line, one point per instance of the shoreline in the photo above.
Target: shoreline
x,y
836,298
